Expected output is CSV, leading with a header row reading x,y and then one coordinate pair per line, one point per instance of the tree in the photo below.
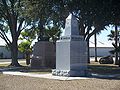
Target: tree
x,y
25,48
53,32
27,36
13,22
50,12
90,13
112,36
115,20
97,14
116,43
116,50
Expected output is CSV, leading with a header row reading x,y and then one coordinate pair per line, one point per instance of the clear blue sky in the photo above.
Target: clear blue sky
x,y
102,39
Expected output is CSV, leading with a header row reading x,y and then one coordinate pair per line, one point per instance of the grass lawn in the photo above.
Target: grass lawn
x,y
97,68
11,82
93,67
25,69
3,66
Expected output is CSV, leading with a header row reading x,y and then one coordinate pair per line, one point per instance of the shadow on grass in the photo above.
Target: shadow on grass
x,y
25,69
98,69
33,70
103,71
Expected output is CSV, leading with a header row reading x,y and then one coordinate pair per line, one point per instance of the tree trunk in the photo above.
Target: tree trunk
x,y
95,38
116,42
88,51
14,54
119,60
27,56
119,57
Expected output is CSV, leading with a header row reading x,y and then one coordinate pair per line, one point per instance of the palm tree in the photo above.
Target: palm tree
x,y
53,32
116,50
113,36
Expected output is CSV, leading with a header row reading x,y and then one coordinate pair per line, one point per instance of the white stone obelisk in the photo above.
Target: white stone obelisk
x,y
71,51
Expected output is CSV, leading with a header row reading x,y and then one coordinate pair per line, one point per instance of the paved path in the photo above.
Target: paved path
x,y
48,76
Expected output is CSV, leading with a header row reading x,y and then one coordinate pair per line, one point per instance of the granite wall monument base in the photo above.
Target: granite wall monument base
x,y
43,55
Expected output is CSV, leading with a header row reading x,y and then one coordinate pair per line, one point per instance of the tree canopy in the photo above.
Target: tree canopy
x,y
16,15
12,21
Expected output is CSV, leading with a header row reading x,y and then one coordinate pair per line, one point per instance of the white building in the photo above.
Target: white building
x,y
5,53
101,51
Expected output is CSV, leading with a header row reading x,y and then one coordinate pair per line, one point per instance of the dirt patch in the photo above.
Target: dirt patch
x,y
8,82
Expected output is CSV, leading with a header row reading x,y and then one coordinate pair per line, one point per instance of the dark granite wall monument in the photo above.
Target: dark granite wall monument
x,y
43,55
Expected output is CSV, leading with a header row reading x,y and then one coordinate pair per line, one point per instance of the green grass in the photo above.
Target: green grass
x,y
3,66
103,68
38,71
25,69
93,67
1,74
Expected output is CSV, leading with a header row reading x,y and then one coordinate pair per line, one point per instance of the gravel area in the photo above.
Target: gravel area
x,y
9,82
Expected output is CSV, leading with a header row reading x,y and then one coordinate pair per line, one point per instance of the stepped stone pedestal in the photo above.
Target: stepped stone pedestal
x,y
43,55
71,51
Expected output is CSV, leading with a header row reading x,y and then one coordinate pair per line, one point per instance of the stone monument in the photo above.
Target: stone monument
x,y
43,55
43,52
71,51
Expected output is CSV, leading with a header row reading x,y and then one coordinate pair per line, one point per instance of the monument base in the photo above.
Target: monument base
x,y
69,73
43,55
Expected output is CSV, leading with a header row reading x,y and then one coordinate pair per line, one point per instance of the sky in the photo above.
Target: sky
x,y
102,39
2,42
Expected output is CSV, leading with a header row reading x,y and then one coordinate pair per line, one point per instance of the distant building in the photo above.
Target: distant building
x,y
101,51
5,53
